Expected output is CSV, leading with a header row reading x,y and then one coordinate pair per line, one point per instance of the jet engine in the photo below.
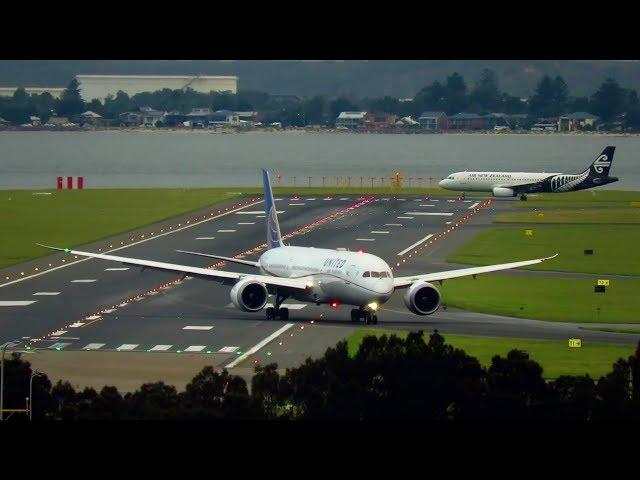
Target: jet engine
x,y
503,192
422,298
249,295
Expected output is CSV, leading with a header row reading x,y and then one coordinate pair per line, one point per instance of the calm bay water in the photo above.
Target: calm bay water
x,y
198,159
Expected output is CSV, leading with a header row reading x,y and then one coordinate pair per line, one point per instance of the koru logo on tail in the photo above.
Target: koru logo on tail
x,y
601,162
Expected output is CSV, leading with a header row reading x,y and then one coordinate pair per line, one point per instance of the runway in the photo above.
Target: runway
x,y
95,305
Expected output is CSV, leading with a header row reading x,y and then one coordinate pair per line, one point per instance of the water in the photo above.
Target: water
x,y
198,159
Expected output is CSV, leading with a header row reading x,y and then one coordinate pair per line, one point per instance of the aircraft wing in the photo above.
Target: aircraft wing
x,y
402,282
219,275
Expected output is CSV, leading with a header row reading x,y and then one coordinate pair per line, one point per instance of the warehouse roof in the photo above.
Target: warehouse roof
x,y
352,115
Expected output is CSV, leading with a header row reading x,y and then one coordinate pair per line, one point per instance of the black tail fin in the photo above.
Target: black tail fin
x,y
600,167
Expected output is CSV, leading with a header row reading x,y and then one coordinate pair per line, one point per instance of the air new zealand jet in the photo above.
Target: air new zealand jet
x,y
512,184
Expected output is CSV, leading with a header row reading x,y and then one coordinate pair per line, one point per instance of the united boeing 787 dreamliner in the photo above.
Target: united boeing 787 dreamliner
x,y
314,275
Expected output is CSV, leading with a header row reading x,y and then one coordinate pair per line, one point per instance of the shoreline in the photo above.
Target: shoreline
x,y
309,131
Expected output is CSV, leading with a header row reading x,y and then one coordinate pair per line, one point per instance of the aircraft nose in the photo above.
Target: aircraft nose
x,y
443,183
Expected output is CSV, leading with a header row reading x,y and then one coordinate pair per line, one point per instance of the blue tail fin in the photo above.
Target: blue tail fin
x,y
600,167
274,239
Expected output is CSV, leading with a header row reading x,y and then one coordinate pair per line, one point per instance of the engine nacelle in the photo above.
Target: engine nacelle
x,y
249,295
503,192
422,298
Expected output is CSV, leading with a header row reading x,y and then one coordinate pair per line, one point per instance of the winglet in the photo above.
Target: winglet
x,y
549,258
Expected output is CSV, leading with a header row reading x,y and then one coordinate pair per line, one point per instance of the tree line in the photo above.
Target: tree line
x,y
452,95
388,378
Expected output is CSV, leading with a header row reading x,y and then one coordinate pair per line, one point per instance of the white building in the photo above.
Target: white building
x,y
54,91
99,86
351,119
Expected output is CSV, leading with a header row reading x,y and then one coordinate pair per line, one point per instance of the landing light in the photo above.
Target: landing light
x,y
360,250
373,306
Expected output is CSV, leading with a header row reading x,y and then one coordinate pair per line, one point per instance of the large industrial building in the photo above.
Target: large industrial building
x,y
100,86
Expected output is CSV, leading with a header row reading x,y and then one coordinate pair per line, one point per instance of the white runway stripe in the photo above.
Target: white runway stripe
x,y
426,205
290,306
195,348
94,346
58,333
256,212
160,348
448,223
442,214
76,325
295,204
259,345
85,280
116,269
59,346
16,303
226,231
309,198
473,206
47,293
392,224
198,327
110,310
93,317
422,240
365,239
205,238
450,201
344,198
379,231
405,217
246,223
127,346
228,349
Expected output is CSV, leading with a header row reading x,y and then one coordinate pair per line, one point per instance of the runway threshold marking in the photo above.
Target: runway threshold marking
x,y
16,303
415,244
58,346
93,346
259,345
131,244
195,348
160,348
228,349
127,346
57,333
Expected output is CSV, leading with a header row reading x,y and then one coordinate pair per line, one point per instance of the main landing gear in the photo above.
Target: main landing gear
x,y
276,312
370,318
523,197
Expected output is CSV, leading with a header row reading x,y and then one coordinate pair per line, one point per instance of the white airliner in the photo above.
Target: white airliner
x,y
314,275
511,184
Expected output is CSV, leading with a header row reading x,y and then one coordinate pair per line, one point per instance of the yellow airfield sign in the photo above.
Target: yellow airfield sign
x,y
528,233
575,343
603,282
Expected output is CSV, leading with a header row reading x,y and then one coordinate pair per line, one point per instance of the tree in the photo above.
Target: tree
x,y
609,100
550,97
486,92
455,94
70,102
341,104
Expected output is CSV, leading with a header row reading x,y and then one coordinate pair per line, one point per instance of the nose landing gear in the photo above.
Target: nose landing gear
x,y
523,197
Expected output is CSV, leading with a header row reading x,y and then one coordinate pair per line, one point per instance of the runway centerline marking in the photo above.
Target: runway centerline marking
x,y
256,212
130,245
405,217
116,269
380,231
259,345
295,204
47,293
16,303
84,280
392,224
246,223
226,231
365,239
426,205
198,327
415,244
205,238
442,214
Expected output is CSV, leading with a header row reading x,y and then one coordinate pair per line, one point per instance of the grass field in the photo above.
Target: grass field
x,y
582,199
546,298
614,248
74,217
555,356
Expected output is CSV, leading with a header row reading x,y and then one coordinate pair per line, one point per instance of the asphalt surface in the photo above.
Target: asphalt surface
x,y
103,306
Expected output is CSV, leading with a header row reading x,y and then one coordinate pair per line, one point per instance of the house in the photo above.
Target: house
x,y
174,119
407,122
56,121
380,121
34,120
434,121
130,119
92,118
224,117
467,121
249,118
577,121
351,119
496,120
545,124
151,117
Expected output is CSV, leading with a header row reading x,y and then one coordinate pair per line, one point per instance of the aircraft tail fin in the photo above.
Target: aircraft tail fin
x,y
274,239
602,164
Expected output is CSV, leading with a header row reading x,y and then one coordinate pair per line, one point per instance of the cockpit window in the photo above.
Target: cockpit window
x,y
384,274
366,274
450,177
375,274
